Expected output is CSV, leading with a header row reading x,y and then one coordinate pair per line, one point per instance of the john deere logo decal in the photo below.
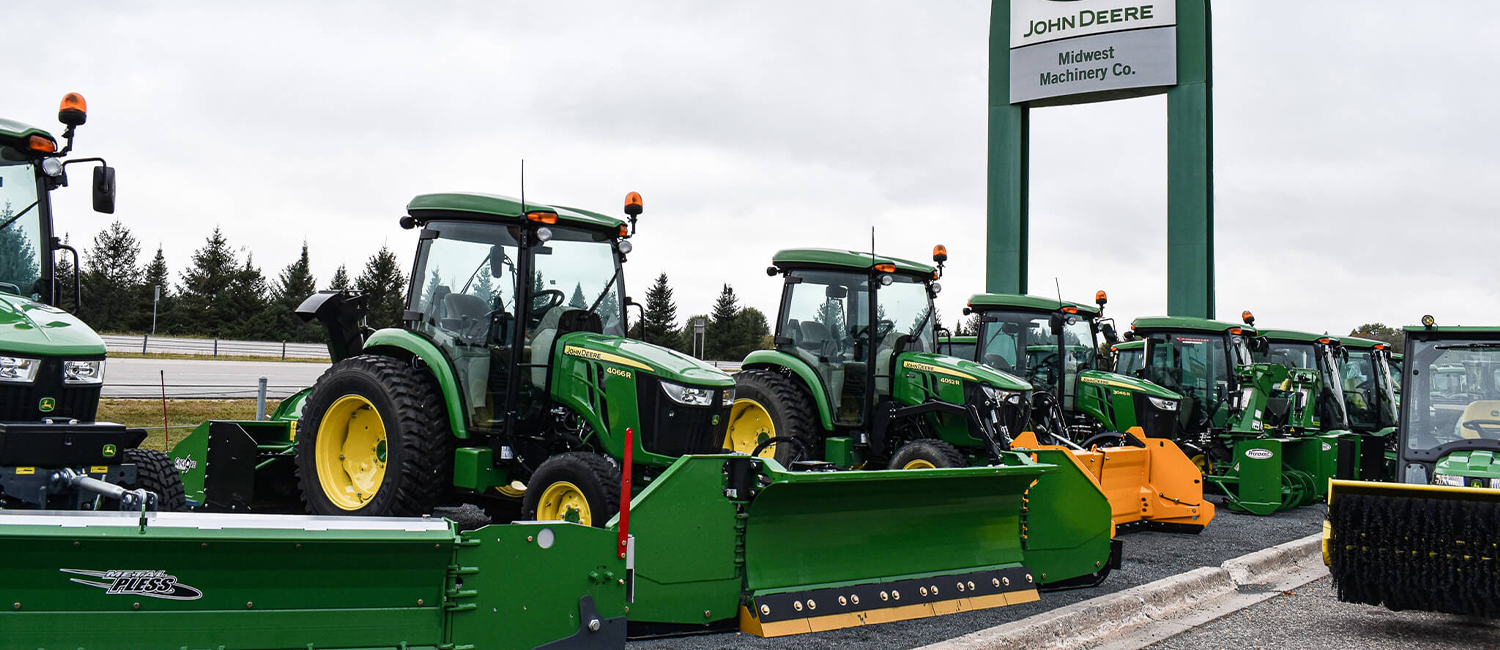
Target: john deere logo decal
x,y
109,451
151,584
46,405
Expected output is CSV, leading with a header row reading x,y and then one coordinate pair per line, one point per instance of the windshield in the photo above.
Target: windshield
x,y
1318,358
905,309
962,350
22,257
1004,333
1128,361
578,269
1194,364
1455,393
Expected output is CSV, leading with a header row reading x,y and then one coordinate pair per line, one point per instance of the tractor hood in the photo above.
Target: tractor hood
x,y
1475,468
645,357
1126,382
961,368
34,329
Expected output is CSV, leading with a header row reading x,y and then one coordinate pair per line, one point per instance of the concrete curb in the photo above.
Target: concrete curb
x,y
1091,620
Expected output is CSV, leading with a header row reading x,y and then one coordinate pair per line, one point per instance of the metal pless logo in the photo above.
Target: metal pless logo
x,y
148,583
1259,454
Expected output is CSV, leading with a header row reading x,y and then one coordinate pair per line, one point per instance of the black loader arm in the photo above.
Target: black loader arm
x,y
343,315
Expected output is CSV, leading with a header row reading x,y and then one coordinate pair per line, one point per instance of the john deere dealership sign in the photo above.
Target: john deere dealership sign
x,y
1070,47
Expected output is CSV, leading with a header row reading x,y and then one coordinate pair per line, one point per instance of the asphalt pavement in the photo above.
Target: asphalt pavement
x,y
192,378
1312,617
1148,556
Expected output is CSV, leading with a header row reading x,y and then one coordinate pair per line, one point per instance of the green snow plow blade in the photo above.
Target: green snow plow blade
x,y
95,580
784,552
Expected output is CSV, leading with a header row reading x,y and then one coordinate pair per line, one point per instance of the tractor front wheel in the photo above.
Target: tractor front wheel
x,y
578,486
770,405
926,453
374,440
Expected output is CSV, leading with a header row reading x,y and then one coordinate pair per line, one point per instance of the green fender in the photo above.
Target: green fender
x,y
384,341
773,358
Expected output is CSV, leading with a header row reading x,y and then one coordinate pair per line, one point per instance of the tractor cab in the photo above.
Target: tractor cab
x,y
1055,346
1450,422
1321,354
1197,358
1369,385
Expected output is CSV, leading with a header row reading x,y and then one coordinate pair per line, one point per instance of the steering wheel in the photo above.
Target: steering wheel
x,y
1043,370
542,301
1483,427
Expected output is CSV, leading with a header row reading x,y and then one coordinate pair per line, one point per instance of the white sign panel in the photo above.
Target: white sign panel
x,y
1069,47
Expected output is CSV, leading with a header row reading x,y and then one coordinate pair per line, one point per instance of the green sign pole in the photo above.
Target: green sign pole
x,y
1010,161
1190,236
1190,168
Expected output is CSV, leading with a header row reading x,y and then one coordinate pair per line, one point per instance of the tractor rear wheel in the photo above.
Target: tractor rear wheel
x,y
154,472
374,440
768,405
578,486
927,453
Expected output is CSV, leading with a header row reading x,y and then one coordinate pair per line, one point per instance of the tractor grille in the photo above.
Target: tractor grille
x,y
22,403
1154,422
673,429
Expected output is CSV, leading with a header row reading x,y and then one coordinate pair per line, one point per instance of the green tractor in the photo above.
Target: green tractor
x,y
1256,429
1055,346
53,454
1427,540
854,382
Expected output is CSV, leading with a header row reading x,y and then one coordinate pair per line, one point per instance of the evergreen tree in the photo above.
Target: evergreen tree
x,y
202,307
659,321
721,334
751,332
382,283
154,275
340,280
430,293
578,301
685,344
293,286
18,258
111,274
484,288
247,302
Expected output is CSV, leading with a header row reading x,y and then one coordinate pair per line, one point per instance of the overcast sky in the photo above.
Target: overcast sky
x,y
1354,141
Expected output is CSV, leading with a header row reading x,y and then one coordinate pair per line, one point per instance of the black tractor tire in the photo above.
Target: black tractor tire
x,y
934,452
791,409
154,472
419,442
595,477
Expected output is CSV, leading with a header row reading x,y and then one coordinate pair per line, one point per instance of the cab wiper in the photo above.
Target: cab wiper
x,y
18,215
605,292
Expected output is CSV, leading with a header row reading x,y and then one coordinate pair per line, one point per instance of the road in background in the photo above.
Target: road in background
x,y
188,379
1312,617
208,347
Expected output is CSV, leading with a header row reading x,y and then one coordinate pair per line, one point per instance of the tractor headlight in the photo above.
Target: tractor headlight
x,y
1164,404
1001,396
729,397
688,395
16,370
83,372
1449,480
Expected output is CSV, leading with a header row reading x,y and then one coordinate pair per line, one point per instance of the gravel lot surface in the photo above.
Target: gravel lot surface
x,y
1311,617
1148,557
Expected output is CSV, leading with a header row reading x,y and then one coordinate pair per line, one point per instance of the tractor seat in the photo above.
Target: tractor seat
x,y
813,334
464,314
1482,410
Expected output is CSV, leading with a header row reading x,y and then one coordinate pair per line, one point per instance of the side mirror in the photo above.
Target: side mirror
x,y
1108,329
626,312
1056,322
104,189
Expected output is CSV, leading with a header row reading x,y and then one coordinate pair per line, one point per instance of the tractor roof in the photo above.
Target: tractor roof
x,y
11,130
1361,344
493,207
1296,336
980,301
828,257
1187,323
1130,345
1455,329
959,338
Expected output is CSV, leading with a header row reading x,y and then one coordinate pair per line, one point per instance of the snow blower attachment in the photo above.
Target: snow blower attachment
x,y
1432,541
195,580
